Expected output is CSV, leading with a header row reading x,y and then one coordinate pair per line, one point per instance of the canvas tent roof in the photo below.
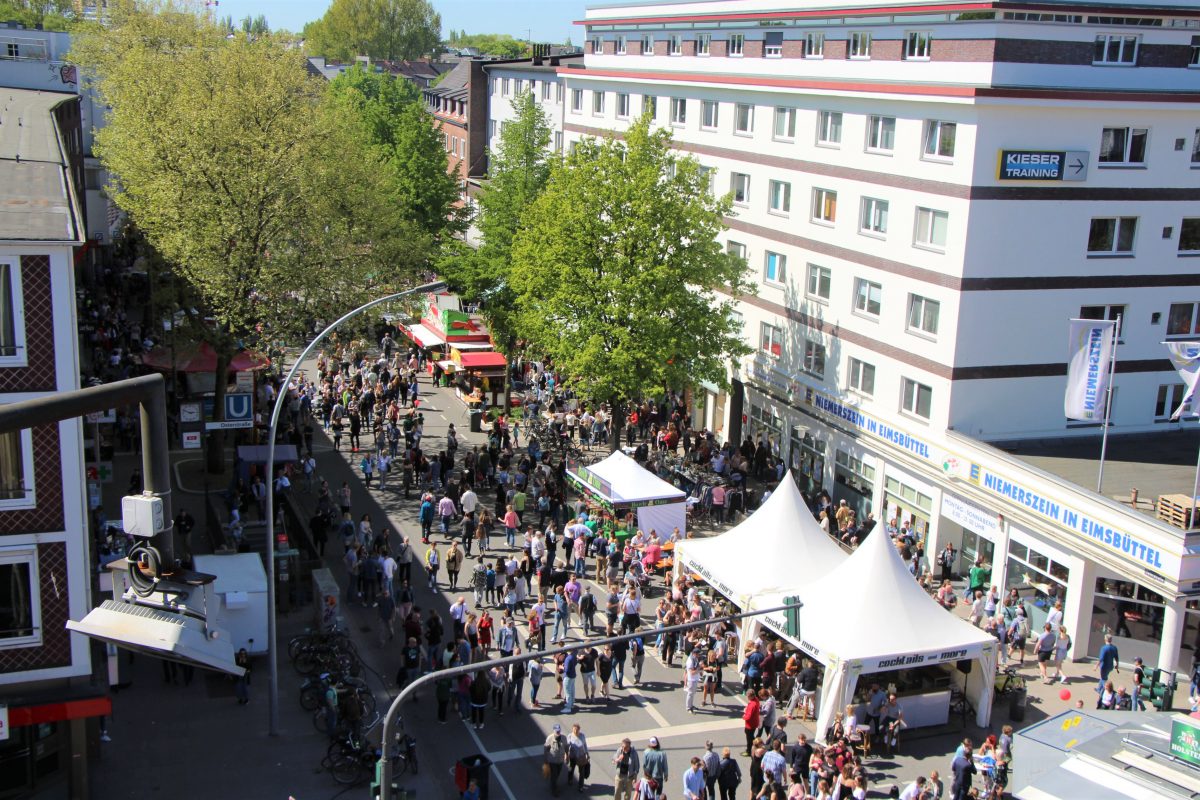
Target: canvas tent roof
x,y
631,483
778,546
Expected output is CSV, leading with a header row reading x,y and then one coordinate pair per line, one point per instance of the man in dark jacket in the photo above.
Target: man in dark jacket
x,y
729,775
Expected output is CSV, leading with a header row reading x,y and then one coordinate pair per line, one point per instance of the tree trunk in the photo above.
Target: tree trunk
x,y
618,425
216,439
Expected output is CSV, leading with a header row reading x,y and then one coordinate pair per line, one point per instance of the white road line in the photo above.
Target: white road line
x,y
495,770
611,739
649,707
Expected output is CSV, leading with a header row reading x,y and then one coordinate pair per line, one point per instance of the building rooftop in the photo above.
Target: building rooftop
x,y
35,193
455,82
545,64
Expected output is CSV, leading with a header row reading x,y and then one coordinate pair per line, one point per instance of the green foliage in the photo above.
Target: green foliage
x,y
616,269
493,44
255,27
387,29
517,174
52,15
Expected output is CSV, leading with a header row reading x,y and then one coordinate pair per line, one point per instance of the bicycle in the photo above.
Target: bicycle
x,y
312,692
352,761
1008,681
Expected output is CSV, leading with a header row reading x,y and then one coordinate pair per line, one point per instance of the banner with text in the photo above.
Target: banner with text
x,y
1186,358
1089,355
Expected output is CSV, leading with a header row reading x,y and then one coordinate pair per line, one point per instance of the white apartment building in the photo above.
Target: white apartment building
x,y
507,79
913,290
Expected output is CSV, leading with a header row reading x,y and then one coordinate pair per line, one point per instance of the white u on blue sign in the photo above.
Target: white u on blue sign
x,y
239,407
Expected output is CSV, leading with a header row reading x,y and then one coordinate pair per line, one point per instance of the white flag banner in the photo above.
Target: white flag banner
x,y
1186,358
1089,357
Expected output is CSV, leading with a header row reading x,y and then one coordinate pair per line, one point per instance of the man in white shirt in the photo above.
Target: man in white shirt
x,y
458,613
914,790
469,502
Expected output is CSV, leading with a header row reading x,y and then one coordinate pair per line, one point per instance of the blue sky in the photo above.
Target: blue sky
x,y
545,20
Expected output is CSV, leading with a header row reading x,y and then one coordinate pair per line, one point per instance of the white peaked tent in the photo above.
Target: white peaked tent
x,y
890,624
621,484
778,546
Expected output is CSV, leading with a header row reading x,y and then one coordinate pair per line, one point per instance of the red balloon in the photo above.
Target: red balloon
x,y
1065,695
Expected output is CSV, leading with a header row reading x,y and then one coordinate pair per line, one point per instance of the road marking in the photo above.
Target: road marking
x,y
611,739
495,769
645,703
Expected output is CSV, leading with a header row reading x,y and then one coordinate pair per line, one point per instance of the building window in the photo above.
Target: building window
x,y
739,184
817,286
874,216
597,103
736,249
12,314
918,45
915,398
737,43
16,469
743,118
923,314
814,358
709,113
780,193
931,228
703,44
647,44
547,87
558,141
20,600
620,46
520,88
814,45
860,44
504,87
773,44
1169,397
1114,313
868,297
577,100
597,45
1194,53
1196,147
824,207
829,128
678,111
881,134
622,105
558,92
1115,48
939,138
775,268
771,340
1111,236
650,105
1183,319
1189,236
785,123
862,376
710,178
1123,146
492,129
675,45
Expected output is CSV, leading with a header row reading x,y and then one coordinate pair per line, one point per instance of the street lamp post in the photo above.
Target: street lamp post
x,y
280,398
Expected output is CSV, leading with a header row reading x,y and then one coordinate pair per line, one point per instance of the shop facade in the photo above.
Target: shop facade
x,y
1114,569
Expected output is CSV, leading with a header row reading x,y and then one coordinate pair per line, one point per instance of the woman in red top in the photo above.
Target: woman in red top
x,y
485,632
752,719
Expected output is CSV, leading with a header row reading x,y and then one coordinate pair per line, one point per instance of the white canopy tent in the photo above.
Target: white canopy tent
x,y
890,623
621,484
778,546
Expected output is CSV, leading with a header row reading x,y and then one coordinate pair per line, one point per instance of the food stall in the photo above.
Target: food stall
x,y
479,375
618,484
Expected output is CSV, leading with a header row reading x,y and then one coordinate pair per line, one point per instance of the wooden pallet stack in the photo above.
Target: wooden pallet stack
x,y
1176,509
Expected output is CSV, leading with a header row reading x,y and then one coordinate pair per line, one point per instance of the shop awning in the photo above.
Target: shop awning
x,y
482,360
424,336
471,345
448,366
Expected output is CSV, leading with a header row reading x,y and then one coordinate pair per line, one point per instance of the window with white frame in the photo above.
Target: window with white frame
x,y
16,469
770,339
915,398
675,45
597,44
737,43
1116,313
620,45
492,129
597,102
577,100
1183,319
773,44
874,216
1111,236
736,249
939,139
923,314
743,118
868,297
12,314
918,46
709,174
703,44
1115,49
558,141
814,358
647,44
1169,397
860,44
1196,148
709,113
818,283
1194,53
814,45
829,128
785,123
558,92
678,111
20,599
931,228
504,87
824,206
861,376
1123,146
775,267
520,88
739,184
493,86
650,105
780,194
622,105
1189,236
881,134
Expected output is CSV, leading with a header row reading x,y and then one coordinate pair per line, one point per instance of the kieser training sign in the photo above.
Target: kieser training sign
x,y
1089,354
1043,165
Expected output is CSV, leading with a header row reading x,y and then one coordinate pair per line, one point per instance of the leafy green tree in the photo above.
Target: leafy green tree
x,y
256,26
493,44
517,174
616,270
388,29
53,15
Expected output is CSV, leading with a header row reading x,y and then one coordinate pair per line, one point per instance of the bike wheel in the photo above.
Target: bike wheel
x,y
308,662
311,697
319,720
348,769
369,703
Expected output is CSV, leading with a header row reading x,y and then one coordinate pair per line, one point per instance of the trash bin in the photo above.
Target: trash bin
x,y
1016,706
476,421
477,768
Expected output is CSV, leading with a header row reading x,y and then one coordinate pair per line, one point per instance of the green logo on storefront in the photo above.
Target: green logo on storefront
x,y
1185,739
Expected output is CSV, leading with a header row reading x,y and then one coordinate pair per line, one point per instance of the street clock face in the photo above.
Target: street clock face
x,y
189,412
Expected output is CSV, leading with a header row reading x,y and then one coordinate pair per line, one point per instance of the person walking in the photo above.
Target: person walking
x,y
694,787
433,562
626,766
963,768
554,755
1107,661
712,769
1062,644
1044,647
654,763
729,775
387,616
752,719
569,667
578,758
454,560
535,681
